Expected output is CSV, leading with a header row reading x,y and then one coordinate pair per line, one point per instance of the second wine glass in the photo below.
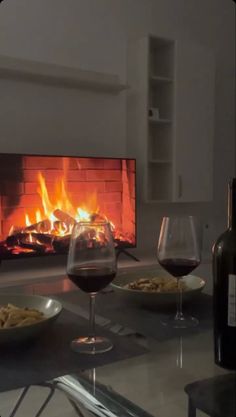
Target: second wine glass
x,y
178,253
91,266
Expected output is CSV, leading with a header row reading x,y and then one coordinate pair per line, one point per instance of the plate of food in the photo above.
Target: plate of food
x,y
155,288
24,317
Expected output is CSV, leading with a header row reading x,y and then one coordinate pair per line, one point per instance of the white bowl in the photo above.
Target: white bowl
x,y
49,307
155,299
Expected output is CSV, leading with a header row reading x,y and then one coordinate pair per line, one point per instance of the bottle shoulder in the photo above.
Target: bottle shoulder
x,y
227,240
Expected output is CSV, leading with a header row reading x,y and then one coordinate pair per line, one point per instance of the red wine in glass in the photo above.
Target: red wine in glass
x,y
178,252
91,279
179,267
91,266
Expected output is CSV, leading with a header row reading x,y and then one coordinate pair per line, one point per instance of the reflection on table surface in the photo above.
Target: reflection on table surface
x,y
154,382
70,395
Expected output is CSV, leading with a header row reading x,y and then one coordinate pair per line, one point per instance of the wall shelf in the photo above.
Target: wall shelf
x,y
60,76
159,121
157,201
151,74
173,147
160,161
154,79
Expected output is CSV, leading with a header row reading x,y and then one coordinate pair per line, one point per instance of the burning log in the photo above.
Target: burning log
x,y
15,240
59,228
36,247
42,238
64,217
61,243
30,240
40,227
3,250
26,241
97,217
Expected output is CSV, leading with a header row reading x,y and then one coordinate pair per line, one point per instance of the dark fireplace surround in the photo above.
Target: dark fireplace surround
x,y
41,197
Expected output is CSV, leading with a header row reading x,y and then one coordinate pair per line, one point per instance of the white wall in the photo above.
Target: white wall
x,y
43,119
93,34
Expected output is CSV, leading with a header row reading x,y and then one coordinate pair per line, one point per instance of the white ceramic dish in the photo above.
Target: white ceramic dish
x,y
154,299
49,307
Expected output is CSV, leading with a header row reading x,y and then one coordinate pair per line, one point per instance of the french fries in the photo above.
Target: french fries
x,y
156,284
13,316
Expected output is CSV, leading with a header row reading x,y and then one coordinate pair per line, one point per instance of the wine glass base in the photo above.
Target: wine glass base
x,y
91,345
184,322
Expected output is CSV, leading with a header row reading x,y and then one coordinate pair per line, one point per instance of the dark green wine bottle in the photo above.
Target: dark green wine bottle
x,y
224,290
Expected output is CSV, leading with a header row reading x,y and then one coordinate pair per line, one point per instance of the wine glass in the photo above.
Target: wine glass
x,y
91,266
178,253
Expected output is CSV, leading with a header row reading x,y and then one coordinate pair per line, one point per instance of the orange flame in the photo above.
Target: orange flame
x,y
38,216
62,203
27,220
43,192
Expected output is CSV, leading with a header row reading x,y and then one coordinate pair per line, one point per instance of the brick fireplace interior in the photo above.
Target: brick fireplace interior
x,y
41,197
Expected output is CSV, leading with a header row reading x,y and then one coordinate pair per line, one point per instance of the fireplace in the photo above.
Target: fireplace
x,y
41,198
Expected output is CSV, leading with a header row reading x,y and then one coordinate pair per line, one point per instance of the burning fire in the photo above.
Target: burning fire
x,y
49,228
60,216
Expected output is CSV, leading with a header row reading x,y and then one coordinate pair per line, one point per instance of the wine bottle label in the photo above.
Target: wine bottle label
x,y
232,301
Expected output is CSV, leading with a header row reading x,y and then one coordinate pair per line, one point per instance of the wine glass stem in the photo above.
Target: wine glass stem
x,y
92,317
179,313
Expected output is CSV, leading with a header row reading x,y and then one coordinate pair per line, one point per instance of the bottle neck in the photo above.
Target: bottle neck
x,y
232,205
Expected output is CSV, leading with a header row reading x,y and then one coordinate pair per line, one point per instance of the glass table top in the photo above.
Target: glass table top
x,y
153,383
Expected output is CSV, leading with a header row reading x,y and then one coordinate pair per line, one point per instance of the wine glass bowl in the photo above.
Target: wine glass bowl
x,y
91,266
178,252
